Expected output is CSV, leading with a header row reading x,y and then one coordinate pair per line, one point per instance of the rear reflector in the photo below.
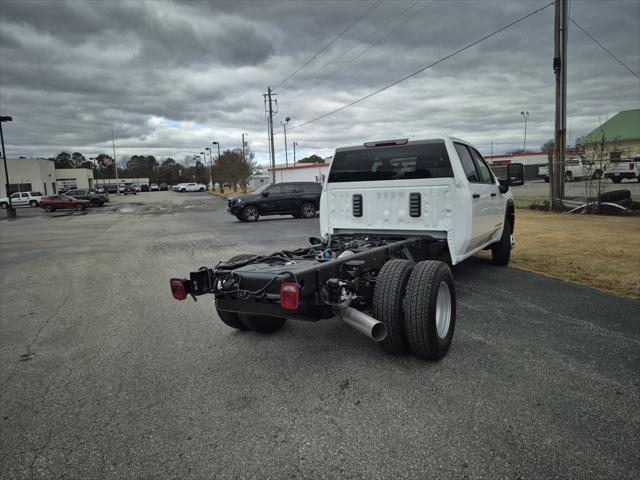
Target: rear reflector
x,y
387,143
290,296
178,288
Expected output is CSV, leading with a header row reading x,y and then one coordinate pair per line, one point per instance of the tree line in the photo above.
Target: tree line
x,y
231,168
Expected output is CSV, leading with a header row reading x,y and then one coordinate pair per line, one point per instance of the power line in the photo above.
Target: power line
x,y
460,50
378,2
603,47
332,74
360,42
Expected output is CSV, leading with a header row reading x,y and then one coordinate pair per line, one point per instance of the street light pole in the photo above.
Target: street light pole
x,y
210,166
284,125
219,181
295,144
526,116
11,211
243,157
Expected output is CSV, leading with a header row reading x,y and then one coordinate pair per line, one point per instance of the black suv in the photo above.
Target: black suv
x,y
300,199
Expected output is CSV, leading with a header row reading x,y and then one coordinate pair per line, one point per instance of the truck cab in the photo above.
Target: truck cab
x,y
441,188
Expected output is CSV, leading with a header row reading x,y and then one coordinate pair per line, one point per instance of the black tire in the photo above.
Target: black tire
x,y
616,179
96,202
388,295
501,250
250,213
183,189
79,207
4,205
33,203
546,179
427,338
568,177
308,210
232,319
263,323
49,208
597,175
201,190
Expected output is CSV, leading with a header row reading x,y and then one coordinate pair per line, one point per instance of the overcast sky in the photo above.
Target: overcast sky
x,y
170,77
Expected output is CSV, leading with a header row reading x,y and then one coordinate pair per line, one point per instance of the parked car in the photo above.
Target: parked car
x,y
164,187
178,187
22,199
95,199
621,169
300,199
575,169
129,190
112,188
62,202
144,187
136,188
154,187
101,190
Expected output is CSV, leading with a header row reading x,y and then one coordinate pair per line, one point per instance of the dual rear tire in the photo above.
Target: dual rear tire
x,y
417,304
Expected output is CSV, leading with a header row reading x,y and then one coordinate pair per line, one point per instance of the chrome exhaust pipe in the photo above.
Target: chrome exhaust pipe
x,y
363,323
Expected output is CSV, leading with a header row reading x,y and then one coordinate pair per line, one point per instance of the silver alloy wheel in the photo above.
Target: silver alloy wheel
x,y
443,309
308,210
250,214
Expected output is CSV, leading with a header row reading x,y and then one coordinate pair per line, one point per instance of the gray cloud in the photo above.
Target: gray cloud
x,y
170,77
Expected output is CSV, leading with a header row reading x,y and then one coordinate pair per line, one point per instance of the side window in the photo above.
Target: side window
x,y
292,188
24,195
467,163
37,194
275,190
482,167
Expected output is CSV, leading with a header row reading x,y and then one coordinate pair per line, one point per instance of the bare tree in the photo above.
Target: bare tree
x,y
600,153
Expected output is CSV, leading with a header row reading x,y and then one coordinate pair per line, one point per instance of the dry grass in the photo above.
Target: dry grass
x,y
228,192
597,251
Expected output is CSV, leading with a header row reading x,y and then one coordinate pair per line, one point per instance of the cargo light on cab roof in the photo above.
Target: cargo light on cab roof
x,y
386,143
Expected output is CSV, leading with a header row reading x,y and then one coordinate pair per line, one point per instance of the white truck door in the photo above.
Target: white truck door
x,y
498,205
481,200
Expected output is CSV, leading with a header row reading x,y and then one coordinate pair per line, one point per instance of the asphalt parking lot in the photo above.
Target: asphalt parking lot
x,y
104,375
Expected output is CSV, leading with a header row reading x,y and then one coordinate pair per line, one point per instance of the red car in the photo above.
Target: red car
x,y
62,201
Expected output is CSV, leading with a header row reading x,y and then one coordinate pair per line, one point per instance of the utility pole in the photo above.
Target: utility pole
x,y
556,178
269,98
243,158
286,153
526,117
295,144
115,164
11,211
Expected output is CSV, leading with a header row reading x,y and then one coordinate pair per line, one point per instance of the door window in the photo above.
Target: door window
x,y
276,190
24,195
467,163
481,166
15,195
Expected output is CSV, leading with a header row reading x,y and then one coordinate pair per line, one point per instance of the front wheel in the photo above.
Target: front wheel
x,y
568,177
501,250
48,208
201,190
308,210
80,207
33,203
596,175
4,205
430,309
96,203
250,214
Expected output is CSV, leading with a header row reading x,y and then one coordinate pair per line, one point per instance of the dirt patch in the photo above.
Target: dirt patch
x,y
597,251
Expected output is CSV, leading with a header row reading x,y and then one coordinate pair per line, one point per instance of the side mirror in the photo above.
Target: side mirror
x,y
515,174
265,194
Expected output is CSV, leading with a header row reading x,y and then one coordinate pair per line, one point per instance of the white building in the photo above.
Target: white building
x,y
302,172
29,174
68,178
529,158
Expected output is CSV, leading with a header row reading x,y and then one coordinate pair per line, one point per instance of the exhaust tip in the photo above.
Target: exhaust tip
x,y
379,332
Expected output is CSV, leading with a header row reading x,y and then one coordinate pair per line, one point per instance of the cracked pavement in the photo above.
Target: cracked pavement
x,y
104,375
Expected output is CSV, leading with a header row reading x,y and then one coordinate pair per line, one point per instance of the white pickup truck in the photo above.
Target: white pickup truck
x,y
575,169
621,169
394,215
189,187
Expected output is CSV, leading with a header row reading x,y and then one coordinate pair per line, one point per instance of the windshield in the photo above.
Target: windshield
x,y
429,160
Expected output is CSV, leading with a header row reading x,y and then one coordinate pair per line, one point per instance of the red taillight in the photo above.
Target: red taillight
x,y
290,296
178,288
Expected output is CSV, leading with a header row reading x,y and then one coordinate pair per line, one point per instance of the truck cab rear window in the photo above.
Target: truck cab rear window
x,y
404,162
